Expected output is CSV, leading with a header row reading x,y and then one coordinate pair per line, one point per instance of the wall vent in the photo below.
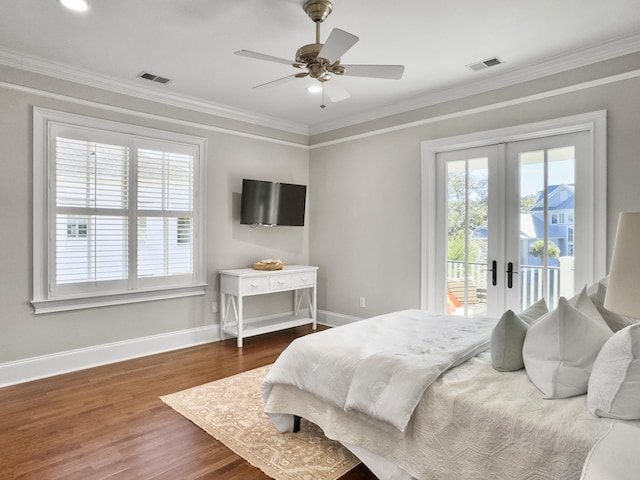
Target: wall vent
x,y
154,78
489,62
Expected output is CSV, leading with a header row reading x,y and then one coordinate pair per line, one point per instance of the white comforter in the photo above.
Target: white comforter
x,y
380,371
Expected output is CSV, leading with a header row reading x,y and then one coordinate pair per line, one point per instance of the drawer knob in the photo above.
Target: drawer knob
x,y
280,282
254,285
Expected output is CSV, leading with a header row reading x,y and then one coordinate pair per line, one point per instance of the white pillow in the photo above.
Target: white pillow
x,y
614,386
616,322
560,348
584,303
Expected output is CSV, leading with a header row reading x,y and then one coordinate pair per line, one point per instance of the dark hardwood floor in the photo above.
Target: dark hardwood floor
x,y
108,423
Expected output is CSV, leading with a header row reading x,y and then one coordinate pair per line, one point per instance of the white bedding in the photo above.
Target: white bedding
x,y
472,422
380,367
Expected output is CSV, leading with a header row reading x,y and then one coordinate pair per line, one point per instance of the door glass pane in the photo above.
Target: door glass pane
x,y
467,235
547,184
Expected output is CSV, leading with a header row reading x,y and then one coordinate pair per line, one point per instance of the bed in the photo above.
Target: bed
x,y
467,421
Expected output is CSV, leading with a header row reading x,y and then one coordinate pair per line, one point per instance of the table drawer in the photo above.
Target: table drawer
x,y
304,279
253,285
278,282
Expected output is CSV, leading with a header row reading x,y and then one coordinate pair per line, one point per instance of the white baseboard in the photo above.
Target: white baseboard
x,y
332,319
34,368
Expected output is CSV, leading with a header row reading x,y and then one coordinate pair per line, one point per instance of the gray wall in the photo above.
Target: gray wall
x,y
363,204
365,201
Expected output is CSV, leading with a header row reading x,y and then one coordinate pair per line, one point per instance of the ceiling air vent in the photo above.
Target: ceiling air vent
x,y
154,78
489,62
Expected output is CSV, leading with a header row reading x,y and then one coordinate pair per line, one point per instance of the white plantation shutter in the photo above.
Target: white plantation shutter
x,y
165,203
92,190
117,216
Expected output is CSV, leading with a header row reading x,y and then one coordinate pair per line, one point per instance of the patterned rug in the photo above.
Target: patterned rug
x,y
231,411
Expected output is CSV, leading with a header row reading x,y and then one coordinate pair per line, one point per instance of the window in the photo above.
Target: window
x,y
125,207
506,222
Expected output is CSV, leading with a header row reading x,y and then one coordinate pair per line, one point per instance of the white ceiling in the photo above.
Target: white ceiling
x,y
193,42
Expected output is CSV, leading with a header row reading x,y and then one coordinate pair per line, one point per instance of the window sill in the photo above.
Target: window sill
x,y
79,303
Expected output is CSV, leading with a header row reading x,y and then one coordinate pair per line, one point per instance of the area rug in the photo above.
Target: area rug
x,y
231,411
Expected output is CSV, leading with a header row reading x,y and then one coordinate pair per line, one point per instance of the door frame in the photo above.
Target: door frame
x,y
594,123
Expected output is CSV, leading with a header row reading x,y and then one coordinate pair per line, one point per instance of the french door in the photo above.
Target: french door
x,y
514,223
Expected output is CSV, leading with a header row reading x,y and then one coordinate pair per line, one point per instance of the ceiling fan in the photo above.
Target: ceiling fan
x,y
321,61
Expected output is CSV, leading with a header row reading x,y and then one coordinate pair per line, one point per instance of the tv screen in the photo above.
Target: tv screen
x,y
272,203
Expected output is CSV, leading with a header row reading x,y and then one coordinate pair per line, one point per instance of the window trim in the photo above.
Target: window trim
x,y
43,301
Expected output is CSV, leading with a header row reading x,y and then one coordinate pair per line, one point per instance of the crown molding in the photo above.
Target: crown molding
x,y
561,63
579,58
41,66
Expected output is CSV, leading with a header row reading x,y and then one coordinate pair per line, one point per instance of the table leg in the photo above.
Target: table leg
x,y
312,308
240,321
223,313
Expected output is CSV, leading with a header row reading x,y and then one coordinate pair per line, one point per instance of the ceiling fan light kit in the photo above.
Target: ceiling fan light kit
x,y
321,61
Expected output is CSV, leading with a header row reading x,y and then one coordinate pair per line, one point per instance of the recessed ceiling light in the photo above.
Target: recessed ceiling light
x,y
314,89
75,5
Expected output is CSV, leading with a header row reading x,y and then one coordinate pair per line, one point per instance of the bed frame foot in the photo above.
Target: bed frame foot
x,y
296,423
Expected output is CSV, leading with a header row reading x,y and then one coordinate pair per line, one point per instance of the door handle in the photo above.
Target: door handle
x,y
510,274
494,273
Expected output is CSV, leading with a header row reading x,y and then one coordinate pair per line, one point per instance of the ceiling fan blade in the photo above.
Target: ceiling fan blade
x,y
337,44
262,56
390,72
278,81
335,91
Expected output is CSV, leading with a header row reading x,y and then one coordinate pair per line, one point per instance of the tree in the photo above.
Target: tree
x,y
456,248
537,249
528,201
456,196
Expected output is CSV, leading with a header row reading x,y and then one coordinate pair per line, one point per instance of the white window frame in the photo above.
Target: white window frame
x,y
46,297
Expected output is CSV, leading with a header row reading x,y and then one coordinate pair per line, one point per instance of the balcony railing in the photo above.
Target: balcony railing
x,y
559,280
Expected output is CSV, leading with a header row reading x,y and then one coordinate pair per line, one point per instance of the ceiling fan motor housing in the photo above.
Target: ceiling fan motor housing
x,y
309,53
319,68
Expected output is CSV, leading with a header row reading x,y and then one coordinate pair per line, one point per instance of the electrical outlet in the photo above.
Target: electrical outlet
x,y
214,307
362,302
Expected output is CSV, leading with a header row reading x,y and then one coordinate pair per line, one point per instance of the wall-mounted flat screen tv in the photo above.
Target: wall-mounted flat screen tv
x,y
272,203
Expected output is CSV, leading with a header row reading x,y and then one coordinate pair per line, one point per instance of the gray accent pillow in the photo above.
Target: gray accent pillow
x,y
508,336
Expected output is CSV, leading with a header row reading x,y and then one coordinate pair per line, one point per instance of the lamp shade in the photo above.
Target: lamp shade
x,y
623,291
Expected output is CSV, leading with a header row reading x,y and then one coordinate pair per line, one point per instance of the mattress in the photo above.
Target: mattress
x,y
472,422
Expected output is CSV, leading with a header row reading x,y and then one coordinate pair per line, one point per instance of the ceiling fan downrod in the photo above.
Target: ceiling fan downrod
x,y
307,56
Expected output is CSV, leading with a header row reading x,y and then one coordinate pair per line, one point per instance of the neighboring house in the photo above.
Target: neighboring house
x,y
560,224
559,231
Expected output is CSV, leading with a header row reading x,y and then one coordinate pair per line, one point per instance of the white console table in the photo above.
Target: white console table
x,y
243,282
